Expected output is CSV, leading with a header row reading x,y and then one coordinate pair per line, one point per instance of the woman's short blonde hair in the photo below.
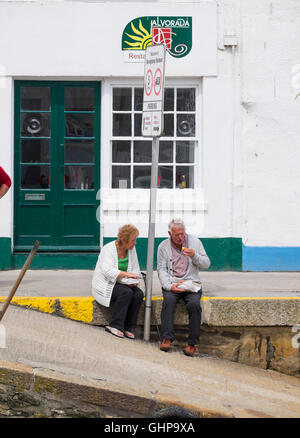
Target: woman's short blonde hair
x,y
125,233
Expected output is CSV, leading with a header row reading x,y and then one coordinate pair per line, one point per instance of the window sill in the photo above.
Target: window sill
x,y
188,200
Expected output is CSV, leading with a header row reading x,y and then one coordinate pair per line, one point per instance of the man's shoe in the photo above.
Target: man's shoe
x,y
165,345
189,350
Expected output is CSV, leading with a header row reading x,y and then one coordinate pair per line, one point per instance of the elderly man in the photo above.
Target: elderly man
x,y
5,182
178,259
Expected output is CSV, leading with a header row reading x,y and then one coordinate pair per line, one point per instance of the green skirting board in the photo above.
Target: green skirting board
x,y
225,255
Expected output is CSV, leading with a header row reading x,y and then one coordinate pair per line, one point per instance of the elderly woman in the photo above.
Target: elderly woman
x,y
115,280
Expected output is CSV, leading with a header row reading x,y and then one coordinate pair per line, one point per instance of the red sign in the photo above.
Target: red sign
x,y
162,35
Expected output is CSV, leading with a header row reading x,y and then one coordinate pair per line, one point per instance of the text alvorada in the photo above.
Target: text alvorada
x,y
180,22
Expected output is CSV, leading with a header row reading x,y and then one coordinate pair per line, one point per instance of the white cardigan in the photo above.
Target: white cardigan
x,y
106,272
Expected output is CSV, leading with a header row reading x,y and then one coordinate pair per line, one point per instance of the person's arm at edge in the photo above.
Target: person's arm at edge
x,y
3,190
5,182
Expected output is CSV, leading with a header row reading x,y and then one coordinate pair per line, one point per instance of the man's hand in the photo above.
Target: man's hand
x,y
188,252
176,289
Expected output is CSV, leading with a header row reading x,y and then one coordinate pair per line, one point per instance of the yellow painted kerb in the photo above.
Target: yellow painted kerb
x,y
77,308
82,308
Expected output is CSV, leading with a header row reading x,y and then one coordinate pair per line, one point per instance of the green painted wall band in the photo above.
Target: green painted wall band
x,y
225,255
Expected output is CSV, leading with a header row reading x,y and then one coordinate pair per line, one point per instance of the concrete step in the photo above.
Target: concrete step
x,y
56,358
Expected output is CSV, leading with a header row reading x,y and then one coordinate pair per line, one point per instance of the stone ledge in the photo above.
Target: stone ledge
x,y
251,311
216,311
92,391
229,311
47,384
15,374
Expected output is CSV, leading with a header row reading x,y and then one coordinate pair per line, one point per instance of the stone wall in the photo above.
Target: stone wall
x,y
262,347
252,332
27,392
35,393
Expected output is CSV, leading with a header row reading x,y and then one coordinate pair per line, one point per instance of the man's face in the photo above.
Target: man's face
x,y
177,235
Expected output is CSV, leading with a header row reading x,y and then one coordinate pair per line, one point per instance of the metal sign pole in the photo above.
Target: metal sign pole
x,y
152,126
151,237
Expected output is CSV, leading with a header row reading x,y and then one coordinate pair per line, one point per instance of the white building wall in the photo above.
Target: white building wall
x,y
250,105
271,128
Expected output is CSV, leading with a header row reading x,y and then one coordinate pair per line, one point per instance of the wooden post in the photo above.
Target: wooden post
x,y
19,279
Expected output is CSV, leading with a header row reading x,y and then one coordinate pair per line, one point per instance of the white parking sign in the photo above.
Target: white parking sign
x,y
152,123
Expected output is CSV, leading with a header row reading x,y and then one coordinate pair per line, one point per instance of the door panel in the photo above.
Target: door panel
x,y
57,165
36,220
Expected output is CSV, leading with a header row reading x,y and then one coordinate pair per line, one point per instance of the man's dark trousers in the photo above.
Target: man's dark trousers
x,y
192,302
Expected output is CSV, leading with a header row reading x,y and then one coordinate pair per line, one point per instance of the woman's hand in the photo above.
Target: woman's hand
x,y
127,275
131,275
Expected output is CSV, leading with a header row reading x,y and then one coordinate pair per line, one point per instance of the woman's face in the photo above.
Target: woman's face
x,y
131,242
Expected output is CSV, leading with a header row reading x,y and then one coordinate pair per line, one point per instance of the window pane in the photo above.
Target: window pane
x,y
168,125
121,151
185,177
141,177
121,125
120,177
169,99
165,177
122,99
34,177
165,152
79,125
79,151
185,151
35,125
79,177
35,98
179,121
138,125
142,151
138,99
35,150
186,125
79,99
186,99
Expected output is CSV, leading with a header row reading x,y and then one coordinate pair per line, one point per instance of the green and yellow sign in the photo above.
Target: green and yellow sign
x,y
174,32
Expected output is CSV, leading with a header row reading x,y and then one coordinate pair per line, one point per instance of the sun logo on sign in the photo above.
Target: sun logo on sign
x,y
141,38
174,32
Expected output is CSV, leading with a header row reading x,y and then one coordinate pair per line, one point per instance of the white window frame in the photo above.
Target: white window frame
x,y
107,137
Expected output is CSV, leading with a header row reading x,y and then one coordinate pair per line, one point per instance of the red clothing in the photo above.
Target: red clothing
x,y
4,178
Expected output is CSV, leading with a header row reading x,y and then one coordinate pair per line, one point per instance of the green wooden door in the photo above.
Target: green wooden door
x,y
57,165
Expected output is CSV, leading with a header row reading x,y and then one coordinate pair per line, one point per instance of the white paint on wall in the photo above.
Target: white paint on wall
x,y
271,128
249,151
84,39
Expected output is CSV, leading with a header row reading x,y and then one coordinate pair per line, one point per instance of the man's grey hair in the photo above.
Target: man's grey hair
x,y
176,223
